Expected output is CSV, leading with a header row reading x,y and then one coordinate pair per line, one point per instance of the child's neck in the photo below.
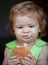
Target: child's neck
x,y
28,45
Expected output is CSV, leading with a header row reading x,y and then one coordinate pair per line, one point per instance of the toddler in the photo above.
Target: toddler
x,y
28,24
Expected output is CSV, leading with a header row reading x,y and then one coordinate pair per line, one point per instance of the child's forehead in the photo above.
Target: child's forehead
x,y
27,17
25,20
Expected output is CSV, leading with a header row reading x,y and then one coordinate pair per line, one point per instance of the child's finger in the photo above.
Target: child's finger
x,y
18,62
11,64
12,57
28,59
13,61
31,57
25,62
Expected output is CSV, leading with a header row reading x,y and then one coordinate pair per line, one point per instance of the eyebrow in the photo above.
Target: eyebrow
x,y
23,25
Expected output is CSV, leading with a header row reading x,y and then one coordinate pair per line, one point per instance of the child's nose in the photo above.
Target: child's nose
x,y
26,30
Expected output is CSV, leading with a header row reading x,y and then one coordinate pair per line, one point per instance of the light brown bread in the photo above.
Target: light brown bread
x,y
21,51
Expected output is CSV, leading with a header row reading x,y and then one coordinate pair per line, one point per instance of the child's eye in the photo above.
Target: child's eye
x,y
31,26
20,27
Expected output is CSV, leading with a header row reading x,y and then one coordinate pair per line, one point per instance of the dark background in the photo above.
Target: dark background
x,y
5,35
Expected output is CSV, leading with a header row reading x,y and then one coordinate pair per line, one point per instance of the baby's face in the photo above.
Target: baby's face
x,y
26,29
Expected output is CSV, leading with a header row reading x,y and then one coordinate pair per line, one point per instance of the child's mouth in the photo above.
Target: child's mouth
x,y
26,36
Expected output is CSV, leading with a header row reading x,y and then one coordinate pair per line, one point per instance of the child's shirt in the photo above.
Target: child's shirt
x,y
35,50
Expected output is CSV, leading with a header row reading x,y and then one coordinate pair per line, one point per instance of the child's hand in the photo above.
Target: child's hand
x,y
13,60
29,60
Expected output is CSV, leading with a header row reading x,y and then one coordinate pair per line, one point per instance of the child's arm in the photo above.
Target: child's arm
x,y
6,55
43,57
